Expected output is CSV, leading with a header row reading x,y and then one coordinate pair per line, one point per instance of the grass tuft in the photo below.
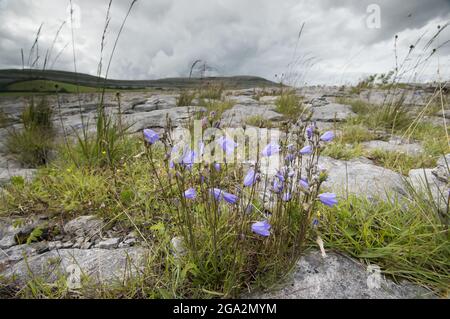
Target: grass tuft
x,y
217,108
212,92
402,162
4,120
390,116
355,133
185,98
290,105
408,241
259,121
343,151
32,145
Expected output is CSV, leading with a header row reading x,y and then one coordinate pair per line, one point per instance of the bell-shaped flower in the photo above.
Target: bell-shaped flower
x,y
188,158
328,199
174,157
327,136
287,197
230,198
304,183
310,131
250,178
277,185
151,136
271,149
220,194
261,228
280,175
227,144
290,157
190,193
306,150
285,172
315,222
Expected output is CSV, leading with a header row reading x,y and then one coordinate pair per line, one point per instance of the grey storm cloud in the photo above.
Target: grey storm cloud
x,y
162,38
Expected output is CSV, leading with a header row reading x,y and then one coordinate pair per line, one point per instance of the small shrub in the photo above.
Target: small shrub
x,y
18,181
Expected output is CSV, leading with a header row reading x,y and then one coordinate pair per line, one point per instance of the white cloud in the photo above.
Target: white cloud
x,y
163,37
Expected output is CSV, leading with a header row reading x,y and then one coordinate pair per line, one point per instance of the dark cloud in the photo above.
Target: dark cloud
x,y
163,37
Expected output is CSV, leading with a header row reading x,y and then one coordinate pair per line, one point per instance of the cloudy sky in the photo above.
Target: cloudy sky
x,y
341,41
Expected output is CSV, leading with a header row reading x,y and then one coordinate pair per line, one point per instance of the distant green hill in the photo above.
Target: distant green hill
x,y
14,80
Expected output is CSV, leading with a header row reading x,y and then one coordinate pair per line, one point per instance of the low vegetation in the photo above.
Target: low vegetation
x,y
215,108
407,241
46,86
434,138
3,119
259,121
229,240
355,133
127,181
229,243
401,162
32,144
343,151
24,82
212,92
290,105
267,92
185,98
382,122
391,116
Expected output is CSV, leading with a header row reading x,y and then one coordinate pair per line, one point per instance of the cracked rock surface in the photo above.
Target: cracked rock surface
x,y
337,276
